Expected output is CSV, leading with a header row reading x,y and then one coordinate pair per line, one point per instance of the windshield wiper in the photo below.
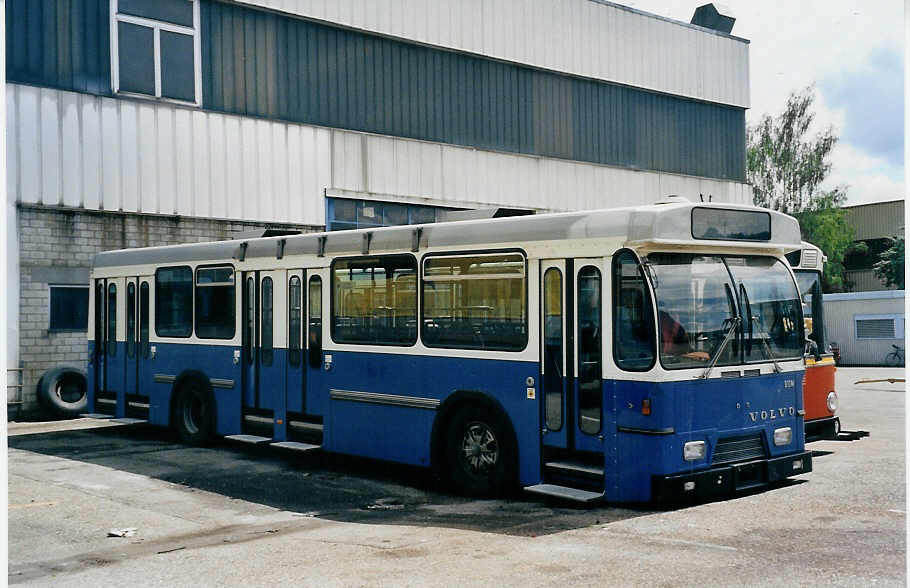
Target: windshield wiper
x,y
734,323
764,339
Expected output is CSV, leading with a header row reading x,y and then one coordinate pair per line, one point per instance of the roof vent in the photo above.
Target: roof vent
x,y
673,199
257,233
475,214
714,16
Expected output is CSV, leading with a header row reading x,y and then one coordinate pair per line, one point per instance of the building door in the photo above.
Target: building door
x,y
571,354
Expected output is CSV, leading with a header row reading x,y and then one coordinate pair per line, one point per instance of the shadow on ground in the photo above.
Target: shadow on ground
x,y
328,486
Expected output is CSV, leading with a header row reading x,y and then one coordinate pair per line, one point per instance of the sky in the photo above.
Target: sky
x,y
852,53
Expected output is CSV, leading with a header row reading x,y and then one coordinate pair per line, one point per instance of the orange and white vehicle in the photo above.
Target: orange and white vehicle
x,y
819,395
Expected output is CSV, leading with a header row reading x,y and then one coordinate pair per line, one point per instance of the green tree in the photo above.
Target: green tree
x,y
890,268
786,167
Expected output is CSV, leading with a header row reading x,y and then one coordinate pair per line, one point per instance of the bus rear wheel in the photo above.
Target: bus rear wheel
x,y
480,453
193,415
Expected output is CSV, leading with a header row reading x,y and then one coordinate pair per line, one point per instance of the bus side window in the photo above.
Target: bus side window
x,y
131,320
633,317
314,322
144,320
294,309
112,320
267,316
99,319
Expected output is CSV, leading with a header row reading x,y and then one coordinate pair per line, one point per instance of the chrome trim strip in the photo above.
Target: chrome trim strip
x,y
667,431
164,379
387,399
221,383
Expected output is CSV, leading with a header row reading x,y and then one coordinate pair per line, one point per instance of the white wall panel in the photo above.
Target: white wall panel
x,y
581,37
157,158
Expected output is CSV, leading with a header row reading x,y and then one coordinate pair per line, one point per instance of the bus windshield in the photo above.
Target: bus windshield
x,y
700,296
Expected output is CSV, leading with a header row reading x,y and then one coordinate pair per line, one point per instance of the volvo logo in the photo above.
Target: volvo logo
x,y
771,414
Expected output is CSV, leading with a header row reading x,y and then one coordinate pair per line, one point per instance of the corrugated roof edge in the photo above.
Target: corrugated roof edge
x,y
875,295
671,20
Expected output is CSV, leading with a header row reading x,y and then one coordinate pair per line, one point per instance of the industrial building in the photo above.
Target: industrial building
x,y
874,224
866,327
133,123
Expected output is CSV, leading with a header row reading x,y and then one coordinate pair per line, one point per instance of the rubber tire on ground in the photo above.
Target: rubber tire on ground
x,y
62,390
193,415
499,477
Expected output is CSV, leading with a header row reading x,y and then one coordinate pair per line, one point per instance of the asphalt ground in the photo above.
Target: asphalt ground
x,y
233,514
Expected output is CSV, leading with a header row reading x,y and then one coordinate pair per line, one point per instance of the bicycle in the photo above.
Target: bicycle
x,y
896,357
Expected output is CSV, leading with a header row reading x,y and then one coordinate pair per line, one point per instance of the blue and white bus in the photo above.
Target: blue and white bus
x,y
635,354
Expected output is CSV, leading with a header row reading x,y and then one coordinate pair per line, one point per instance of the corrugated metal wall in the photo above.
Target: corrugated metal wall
x,y
59,43
840,327
79,150
876,220
273,66
584,37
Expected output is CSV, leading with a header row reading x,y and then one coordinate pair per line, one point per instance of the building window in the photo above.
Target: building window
x,y
475,302
879,326
344,213
374,300
69,308
155,49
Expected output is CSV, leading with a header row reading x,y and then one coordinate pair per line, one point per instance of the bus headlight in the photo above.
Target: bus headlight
x,y
783,436
694,450
832,401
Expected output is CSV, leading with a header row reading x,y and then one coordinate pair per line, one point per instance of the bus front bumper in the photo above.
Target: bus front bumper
x,y
824,428
728,479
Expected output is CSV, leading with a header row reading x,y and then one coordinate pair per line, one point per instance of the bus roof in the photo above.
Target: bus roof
x,y
648,228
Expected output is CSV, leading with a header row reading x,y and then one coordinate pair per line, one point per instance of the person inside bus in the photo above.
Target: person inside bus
x,y
674,341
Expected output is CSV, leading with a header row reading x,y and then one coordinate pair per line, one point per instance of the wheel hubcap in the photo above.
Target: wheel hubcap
x,y
479,449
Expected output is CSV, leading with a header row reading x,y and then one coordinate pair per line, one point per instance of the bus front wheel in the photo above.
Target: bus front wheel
x,y
480,452
193,415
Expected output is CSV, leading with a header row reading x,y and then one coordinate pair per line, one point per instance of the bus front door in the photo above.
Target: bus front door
x,y
571,354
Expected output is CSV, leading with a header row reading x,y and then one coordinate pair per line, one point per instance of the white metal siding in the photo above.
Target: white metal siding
x,y
582,37
840,327
91,152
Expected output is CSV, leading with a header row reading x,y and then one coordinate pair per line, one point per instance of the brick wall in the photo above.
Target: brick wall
x,y
57,245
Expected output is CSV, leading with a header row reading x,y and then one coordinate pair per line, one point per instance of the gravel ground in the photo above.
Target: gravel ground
x,y
232,515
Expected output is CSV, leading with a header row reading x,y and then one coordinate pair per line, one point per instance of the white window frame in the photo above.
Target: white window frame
x,y
157,26
898,321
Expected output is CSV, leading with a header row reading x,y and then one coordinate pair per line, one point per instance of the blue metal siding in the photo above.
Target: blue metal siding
x,y
60,44
276,66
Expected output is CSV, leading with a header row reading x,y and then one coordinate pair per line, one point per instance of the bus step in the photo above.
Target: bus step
x,y
129,421
578,469
96,415
296,446
564,492
252,439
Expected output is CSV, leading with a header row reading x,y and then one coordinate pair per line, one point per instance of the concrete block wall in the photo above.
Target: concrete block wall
x,y
57,245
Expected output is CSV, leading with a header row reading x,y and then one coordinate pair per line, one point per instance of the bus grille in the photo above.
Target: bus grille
x,y
736,449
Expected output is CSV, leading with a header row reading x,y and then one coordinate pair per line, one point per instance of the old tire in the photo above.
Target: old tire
x,y
193,414
480,452
62,390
